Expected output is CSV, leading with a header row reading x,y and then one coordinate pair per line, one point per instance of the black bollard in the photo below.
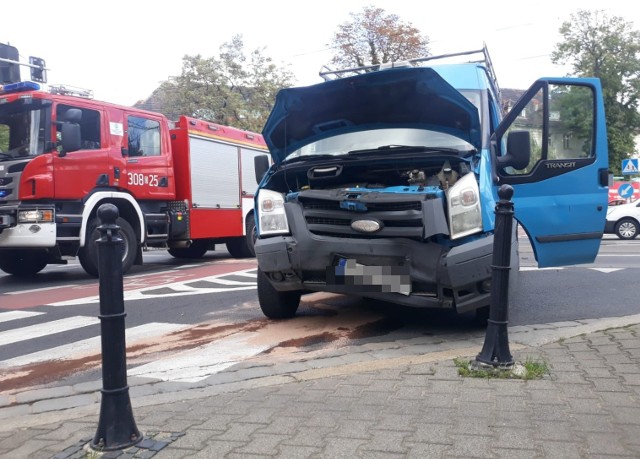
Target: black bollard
x,y
116,427
495,351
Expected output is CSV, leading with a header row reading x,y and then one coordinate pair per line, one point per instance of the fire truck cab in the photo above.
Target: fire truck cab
x,y
183,186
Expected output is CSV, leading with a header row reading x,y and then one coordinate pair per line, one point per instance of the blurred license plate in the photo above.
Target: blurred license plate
x,y
368,279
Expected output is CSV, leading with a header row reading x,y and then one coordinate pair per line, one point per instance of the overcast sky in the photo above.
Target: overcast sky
x,y
122,50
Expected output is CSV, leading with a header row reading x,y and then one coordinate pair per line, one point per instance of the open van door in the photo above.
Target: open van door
x,y
552,149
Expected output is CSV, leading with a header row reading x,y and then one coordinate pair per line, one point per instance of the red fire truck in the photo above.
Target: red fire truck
x,y
183,186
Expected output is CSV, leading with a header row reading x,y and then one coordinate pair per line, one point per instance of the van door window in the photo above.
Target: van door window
x,y
568,133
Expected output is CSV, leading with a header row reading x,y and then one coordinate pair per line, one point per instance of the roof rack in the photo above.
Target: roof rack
x,y
66,90
327,74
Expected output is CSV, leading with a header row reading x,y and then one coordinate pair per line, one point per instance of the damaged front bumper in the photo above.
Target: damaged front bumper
x,y
398,270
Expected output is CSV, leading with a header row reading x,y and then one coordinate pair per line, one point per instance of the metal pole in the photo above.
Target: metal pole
x,y
495,351
116,427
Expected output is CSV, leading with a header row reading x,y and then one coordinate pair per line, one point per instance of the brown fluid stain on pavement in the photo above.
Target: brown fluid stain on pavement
x,y
318,327
46,372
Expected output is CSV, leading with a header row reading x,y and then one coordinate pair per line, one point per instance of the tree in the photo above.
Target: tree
x,y
374,37
4,137
608,48
230,89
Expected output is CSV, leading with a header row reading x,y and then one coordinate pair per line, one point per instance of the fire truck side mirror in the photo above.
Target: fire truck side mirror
x,y
261,164
38,69
70,138
69,128
10,65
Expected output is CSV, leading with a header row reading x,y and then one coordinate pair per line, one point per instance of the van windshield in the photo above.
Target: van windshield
x,y
372,139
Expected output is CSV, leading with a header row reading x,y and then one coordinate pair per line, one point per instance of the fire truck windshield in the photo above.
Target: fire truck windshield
x,y
23,130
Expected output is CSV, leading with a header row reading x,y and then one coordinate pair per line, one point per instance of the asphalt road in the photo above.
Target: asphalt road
x,y
605,288
51,324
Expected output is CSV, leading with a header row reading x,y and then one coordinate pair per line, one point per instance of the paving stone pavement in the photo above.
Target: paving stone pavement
x,y
388,406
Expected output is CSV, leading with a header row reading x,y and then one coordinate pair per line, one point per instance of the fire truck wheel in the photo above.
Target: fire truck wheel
x,y
197,249
243,247
252,235
275,304
22,263
88,255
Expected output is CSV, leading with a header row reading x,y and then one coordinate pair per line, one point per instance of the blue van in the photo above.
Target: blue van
x,y
384,183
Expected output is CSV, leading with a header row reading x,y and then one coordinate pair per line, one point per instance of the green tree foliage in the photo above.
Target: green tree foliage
x,y
597,45
374,37
232,89
4,137
575,106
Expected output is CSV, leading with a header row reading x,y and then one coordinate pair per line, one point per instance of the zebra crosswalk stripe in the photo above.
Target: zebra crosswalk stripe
x,y
44,329
90,345
15,315
197,364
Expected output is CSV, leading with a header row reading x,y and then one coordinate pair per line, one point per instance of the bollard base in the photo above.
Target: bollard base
x,y
504,371
116,427
495,351
476,365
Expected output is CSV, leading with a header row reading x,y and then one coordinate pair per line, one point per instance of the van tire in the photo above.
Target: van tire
x,y
275,304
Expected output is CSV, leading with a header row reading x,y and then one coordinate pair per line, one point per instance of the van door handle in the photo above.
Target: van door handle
x,y
603,177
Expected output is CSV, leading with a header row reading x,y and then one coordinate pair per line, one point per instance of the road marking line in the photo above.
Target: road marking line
x,y
180,288
15,315
90,345
48,328
220,281
253,275
36,290
535,268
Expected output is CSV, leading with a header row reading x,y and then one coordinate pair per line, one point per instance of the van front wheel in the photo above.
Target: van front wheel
x,y
275,304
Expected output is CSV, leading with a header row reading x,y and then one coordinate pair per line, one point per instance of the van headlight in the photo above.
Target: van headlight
x,y
273,219
463,203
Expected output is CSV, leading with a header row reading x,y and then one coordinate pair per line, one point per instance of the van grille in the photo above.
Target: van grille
x,y
399,218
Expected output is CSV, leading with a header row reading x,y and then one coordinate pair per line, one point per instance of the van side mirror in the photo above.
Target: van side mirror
x,y
518,151
261,164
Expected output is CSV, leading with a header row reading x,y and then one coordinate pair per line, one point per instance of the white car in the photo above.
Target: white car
x,y
623,220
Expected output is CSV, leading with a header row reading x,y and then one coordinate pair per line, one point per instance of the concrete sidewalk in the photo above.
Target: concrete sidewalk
x,y
386,400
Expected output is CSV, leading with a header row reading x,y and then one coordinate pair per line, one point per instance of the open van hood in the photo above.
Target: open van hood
x,y
415,97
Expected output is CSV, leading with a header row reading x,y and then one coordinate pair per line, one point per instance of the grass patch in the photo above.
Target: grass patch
x,y
529,369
